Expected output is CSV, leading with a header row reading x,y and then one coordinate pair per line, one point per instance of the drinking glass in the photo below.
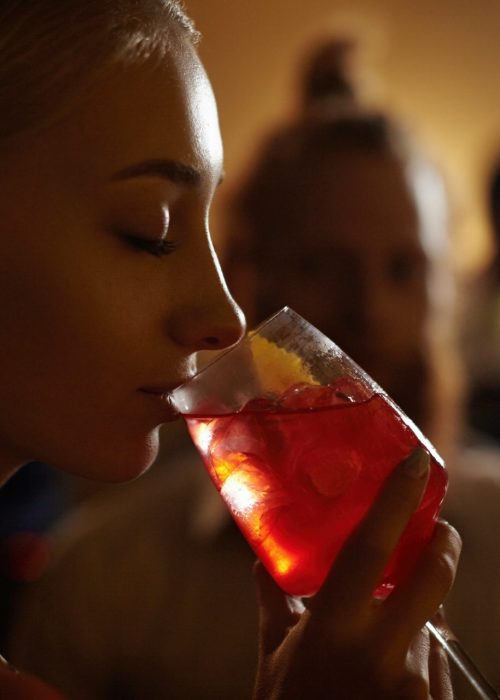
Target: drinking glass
x,y
298,440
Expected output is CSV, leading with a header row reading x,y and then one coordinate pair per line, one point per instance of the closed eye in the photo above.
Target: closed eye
x,y
159,247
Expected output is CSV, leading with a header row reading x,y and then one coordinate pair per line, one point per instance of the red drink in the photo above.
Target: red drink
x,y
300,473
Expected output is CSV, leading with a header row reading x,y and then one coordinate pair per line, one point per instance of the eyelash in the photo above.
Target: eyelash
x,y
159,248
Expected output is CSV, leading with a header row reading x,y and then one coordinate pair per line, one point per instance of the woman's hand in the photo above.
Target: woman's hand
x,y
346,645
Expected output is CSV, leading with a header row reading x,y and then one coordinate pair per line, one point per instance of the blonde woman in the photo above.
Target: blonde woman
x,y
111,154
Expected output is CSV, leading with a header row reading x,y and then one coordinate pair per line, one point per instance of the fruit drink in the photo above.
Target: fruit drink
x,y
300,471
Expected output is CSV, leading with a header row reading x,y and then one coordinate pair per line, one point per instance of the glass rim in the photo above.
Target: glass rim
x,y
244,339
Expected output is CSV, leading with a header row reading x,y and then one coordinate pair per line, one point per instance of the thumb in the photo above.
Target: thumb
x,y
275,615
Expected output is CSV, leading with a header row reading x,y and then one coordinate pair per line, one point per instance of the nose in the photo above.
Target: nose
x,y
354,312
209,318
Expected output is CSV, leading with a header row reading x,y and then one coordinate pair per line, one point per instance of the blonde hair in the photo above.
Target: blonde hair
x,y
52,50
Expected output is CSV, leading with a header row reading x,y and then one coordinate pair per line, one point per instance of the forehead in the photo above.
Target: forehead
x,y
161,108
361,201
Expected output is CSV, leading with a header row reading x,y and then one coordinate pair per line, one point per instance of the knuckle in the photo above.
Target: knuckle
x,y
407,684
454,541
450,535
443,570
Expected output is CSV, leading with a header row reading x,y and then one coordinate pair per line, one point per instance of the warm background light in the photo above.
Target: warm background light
x,y
437,63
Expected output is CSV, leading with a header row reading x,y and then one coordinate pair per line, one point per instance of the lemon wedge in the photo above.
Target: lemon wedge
x,y
278,368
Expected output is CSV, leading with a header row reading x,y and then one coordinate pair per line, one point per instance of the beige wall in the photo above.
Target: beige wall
x,y
438,62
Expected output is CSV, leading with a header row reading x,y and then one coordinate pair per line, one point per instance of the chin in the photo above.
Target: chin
x,y
125,461
132,463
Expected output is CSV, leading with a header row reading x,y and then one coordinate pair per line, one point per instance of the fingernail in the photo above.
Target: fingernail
x,y
295,604
416,465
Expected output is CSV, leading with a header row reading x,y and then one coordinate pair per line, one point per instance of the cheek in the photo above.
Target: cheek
x,y
65,327
26,318
414,306
72,358
407,323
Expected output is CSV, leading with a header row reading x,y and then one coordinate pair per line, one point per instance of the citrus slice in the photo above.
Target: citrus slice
x,y
277,368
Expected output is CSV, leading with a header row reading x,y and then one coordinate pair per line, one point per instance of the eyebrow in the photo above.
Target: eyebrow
x,y
173,170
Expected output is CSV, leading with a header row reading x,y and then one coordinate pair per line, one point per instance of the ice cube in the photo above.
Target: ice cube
x,y
347,389
330,471
303,396
238,435
246,487
260,404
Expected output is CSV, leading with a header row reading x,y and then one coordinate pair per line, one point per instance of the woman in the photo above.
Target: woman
x,y
111,154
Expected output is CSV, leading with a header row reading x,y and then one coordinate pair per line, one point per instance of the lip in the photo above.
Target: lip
x,y
164,388
161,393
161,396
156,390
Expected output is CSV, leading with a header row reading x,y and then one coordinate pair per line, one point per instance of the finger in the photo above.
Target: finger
x,y
417,599
275,615
417,657
414,684
440,685
360,564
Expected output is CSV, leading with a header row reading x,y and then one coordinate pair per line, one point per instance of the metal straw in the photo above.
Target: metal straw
x,y
445,636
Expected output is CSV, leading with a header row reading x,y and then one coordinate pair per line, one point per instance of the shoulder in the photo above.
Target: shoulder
x,y
477,467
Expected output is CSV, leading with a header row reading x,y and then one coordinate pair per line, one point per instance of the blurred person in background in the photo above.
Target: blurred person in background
x,y
481,327
344,219
341,219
